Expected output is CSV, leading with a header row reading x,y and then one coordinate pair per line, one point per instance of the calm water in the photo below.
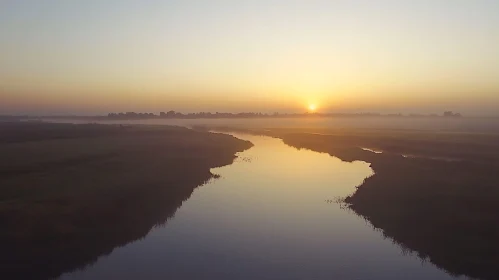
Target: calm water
x,y
267,217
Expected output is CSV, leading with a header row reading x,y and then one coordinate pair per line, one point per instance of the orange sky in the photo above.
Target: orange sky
x,y
91,57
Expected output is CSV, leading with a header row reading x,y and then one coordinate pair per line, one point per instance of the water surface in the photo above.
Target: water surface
x,y
269,216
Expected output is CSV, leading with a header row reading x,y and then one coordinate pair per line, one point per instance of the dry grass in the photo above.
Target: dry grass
x,y
446,211
71,193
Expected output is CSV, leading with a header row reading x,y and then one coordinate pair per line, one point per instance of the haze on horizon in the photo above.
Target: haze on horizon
x,y
88,57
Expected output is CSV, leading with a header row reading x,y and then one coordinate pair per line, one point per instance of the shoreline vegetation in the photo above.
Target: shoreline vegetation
x,y
218,115
72,193
435,194
222,115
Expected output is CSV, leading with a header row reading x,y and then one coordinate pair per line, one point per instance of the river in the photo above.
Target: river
x,y
270,215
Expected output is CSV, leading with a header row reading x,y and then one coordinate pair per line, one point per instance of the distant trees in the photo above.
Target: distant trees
x,y
218,115
131,115
200,115
451,114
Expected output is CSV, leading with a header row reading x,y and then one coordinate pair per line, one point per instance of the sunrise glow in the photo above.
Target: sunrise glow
x,y
229,56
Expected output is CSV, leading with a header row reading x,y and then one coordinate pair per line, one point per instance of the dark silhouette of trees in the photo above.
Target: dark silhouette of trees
x,y
451,114
219,115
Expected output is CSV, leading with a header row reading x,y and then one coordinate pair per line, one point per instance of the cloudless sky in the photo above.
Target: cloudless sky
x,y
91,56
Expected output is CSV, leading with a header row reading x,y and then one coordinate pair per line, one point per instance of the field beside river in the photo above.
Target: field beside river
x,y
71,193
433,193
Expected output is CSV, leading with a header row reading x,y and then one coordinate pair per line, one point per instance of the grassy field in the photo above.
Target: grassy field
x,y
71,193
440,200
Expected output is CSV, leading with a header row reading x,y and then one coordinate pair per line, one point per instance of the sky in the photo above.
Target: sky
x,y
94,57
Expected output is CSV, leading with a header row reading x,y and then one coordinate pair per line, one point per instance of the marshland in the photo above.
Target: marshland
x,y
283,139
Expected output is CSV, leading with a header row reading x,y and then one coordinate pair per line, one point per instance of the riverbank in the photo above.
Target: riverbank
x,y
71,193
445,209
433,193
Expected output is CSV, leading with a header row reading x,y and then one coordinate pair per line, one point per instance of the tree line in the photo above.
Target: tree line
x,y
217,115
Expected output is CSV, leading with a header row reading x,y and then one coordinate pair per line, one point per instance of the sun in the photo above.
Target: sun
x,y
312,107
